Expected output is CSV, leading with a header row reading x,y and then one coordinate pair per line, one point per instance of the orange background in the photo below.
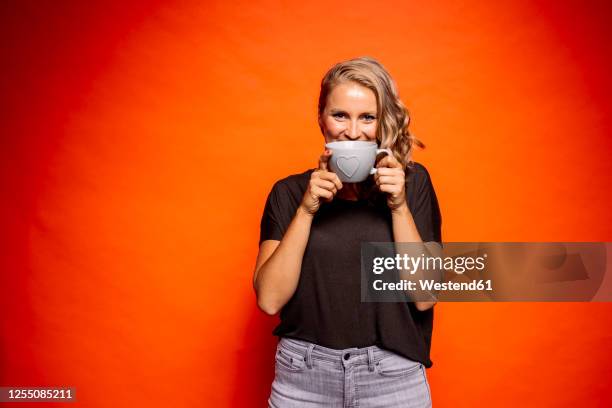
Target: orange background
x,y
139,142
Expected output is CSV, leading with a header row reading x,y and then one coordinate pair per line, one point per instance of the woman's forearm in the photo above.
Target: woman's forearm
x,y
278,277
405,230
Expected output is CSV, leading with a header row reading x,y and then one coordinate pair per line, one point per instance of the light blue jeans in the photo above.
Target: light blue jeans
x,y
309,375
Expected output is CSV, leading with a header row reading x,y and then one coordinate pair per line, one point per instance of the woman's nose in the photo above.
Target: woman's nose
x,y
353,132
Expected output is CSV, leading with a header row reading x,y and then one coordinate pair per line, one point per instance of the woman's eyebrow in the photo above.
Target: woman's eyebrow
x,y
341,111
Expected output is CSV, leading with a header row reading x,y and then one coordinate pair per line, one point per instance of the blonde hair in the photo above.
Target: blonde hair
x,y
393,117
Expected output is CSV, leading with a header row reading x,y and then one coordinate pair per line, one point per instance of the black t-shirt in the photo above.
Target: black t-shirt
x,y
326,307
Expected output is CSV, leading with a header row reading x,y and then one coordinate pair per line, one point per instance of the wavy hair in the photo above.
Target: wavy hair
x,y
393,117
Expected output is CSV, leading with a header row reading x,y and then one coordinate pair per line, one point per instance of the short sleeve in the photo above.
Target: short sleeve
x,y
424,205
272,221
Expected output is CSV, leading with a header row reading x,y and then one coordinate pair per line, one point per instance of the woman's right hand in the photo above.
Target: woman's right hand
x,y
322,187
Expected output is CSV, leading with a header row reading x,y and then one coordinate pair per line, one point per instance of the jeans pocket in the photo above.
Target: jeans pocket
x,y
397,366
289,361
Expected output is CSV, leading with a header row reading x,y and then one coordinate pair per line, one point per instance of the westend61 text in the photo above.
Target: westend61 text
x,y
430,285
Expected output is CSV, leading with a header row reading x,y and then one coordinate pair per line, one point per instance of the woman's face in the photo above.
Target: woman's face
x,y
349,114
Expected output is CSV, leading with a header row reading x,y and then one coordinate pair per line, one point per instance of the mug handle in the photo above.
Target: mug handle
x,y
388,151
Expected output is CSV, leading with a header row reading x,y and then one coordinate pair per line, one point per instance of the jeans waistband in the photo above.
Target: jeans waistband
x,y
355,355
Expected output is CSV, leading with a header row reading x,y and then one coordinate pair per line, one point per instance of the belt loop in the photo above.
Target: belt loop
x,y
370,359
309,355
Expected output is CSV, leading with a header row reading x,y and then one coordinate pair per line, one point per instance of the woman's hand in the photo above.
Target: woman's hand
x,y
391,179
323,186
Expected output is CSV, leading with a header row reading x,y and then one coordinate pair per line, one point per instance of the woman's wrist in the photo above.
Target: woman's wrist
x,y
302,212
401,210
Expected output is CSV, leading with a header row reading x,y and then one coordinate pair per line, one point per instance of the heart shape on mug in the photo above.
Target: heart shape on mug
x,y
348,165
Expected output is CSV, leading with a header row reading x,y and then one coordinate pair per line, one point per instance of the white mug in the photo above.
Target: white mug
x,y
353,160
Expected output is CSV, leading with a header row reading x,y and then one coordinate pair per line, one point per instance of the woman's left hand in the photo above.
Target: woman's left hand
x,y
390,178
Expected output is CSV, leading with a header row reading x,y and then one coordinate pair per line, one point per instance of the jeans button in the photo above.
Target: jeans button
x,y
347,356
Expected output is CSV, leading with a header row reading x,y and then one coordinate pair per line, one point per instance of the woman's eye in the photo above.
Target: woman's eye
x,y
366,117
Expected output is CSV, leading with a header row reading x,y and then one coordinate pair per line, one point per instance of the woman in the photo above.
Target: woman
x,y
335,350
